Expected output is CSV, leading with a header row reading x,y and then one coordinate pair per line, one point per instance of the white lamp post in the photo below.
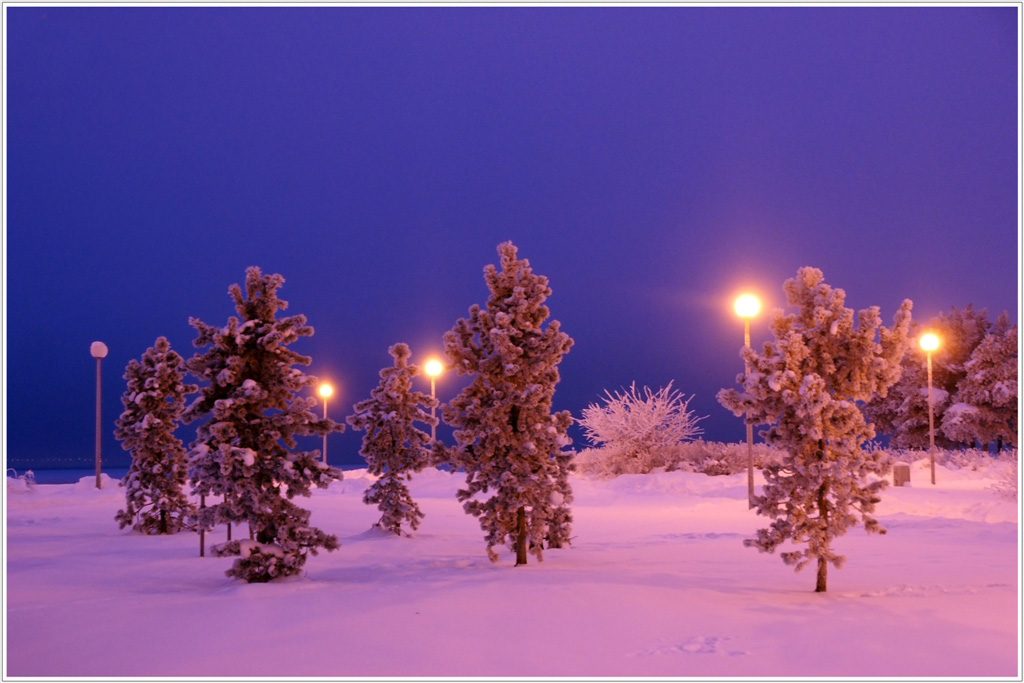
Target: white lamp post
x,y
325,391
747,306
930,342
99,351
433,368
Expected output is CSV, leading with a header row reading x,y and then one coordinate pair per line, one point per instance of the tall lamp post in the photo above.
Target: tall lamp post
x,y
433,368
99,351
930,342
325,391
747,306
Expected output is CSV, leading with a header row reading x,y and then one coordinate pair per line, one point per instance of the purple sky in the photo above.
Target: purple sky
x,y
649,161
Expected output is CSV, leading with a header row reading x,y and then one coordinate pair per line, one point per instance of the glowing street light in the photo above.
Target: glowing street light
x,y
747,306
433,368
929,342
99,351
325,391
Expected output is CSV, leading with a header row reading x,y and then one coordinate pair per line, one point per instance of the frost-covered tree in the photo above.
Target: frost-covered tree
x,y
903,412
394,448
806,386
246,450
961,331
155,499
632,426
985,405
508,441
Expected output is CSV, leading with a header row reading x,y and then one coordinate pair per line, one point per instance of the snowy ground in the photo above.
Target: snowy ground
x,y
657,583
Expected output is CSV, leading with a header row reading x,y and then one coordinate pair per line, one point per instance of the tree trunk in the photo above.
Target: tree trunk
x,y
823,516
229,522
521,536
202,529
163,521
267,534
822,575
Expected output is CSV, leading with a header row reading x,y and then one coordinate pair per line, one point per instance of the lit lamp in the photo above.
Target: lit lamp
x,y
99,351
747,306
930,342
325,392
433,368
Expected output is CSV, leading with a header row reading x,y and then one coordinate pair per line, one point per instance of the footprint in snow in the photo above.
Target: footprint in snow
x,y
697,645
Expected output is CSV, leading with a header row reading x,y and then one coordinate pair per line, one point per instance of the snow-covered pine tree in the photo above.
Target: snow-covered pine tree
x,y
903,412
507,439
245,451
985,405
961,331
806,385
394,448
155,500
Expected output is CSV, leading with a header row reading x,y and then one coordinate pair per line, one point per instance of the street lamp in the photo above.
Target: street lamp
x,y
929,342
747,306
433,368
99,351
325,391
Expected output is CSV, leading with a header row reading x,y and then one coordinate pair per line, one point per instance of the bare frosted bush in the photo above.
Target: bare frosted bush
x,y
968,458
20,484
609,462
716,458
974,459
634,428
1006,484
708,457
